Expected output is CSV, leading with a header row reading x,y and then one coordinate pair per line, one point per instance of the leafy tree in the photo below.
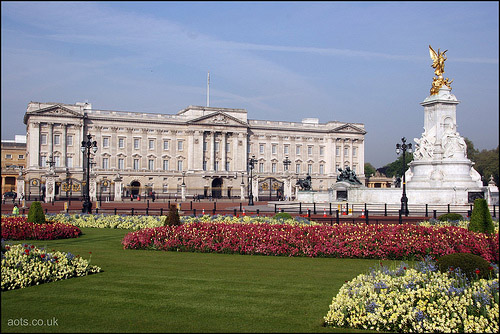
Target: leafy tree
x,y
487,165
486,161
369,169
395,168
471,150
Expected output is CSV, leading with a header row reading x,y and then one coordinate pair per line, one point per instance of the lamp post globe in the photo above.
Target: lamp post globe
x,y
86,148
251,165
403,148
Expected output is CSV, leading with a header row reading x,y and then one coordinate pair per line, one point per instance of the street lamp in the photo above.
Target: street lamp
x,y
251,164
403,147
286,163
85,148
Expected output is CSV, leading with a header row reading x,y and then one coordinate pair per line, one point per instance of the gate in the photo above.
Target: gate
x,y
35,190
71,189
106,191
270,189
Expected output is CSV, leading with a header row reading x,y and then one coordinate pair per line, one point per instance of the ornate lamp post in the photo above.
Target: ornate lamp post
x,y
85,148
403,148
251,164
286,163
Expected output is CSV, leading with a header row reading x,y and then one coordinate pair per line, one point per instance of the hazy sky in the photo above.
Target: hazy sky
x,y
359,62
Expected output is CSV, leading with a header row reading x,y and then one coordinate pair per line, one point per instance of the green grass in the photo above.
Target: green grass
x,y
157,291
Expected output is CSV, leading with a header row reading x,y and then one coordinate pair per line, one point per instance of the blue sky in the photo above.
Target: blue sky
x,y
359,62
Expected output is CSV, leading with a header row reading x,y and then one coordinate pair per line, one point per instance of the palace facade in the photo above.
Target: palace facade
x,y
197,151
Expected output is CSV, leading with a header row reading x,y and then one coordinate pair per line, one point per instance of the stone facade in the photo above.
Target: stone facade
x,y
205,148
13,161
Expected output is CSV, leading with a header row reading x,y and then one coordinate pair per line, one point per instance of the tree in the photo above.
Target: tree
x,y
395,168
369,169
486,161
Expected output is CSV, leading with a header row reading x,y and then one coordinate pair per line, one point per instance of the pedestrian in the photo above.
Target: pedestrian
x,y
15,210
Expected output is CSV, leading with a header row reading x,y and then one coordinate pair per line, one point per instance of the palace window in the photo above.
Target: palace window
x,y
309,169
261,148
105,142
151,164
136,164
165,145
309,150
121,163
227,166
273,167
151,144
136,143
274,148
179,165
43,139
321,150
297,149
57,160
261,167
297,168
180,145
165,164
121,142
105,163
322,169
69,141
69,162
337,151
43,161
286,149
57,139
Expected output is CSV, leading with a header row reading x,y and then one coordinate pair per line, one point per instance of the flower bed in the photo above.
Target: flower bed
x,y
342,240
26,265
420,299
141,222
17,228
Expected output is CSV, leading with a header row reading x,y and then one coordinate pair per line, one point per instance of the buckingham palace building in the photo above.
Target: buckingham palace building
x,y
199,151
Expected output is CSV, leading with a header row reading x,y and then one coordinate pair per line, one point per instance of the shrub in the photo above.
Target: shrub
x,y
468,264
450,217
173,216
36,214
283,215
480,220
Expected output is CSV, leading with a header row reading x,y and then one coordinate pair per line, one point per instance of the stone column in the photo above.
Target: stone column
x,y
118,187
183,192
33,145
190,150
223,150
93,187
50,187
63,145
212,152
50,139
242,191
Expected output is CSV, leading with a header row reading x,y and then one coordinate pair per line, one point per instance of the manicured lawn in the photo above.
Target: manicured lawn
x,y
155,291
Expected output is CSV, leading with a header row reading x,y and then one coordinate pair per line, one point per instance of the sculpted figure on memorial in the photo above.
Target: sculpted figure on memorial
x,y
424,148
438,59
453,145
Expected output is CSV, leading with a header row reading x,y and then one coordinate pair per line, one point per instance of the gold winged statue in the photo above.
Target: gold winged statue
x,y
438,59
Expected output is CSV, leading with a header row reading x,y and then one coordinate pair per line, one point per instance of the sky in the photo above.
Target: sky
x,y
355,62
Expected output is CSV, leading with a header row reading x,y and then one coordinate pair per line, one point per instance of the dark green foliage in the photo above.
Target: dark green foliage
x,y
173,216
396,168
36,214
480,219
486,162
369,169
450,217
468,264
283,215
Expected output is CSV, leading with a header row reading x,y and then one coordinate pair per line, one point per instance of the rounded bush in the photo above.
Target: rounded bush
x,y
36,214
450,217
283,215
469,264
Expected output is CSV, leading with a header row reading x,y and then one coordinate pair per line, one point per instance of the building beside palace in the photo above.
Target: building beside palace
x,y
197,151
13,161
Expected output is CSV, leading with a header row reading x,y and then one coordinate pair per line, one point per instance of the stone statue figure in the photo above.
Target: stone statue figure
x,y
348,175
304,184
453,144
424,148
438,59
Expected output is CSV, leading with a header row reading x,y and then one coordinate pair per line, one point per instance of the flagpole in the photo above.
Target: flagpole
x,y
208,89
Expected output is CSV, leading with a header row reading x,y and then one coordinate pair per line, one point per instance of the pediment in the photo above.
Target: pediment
x,y
55,110
217,118
349,128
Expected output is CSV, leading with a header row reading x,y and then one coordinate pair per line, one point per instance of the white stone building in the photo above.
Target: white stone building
x,y
205,148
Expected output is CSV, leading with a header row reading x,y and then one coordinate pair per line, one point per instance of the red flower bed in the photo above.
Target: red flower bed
x,y
343,240
17,228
